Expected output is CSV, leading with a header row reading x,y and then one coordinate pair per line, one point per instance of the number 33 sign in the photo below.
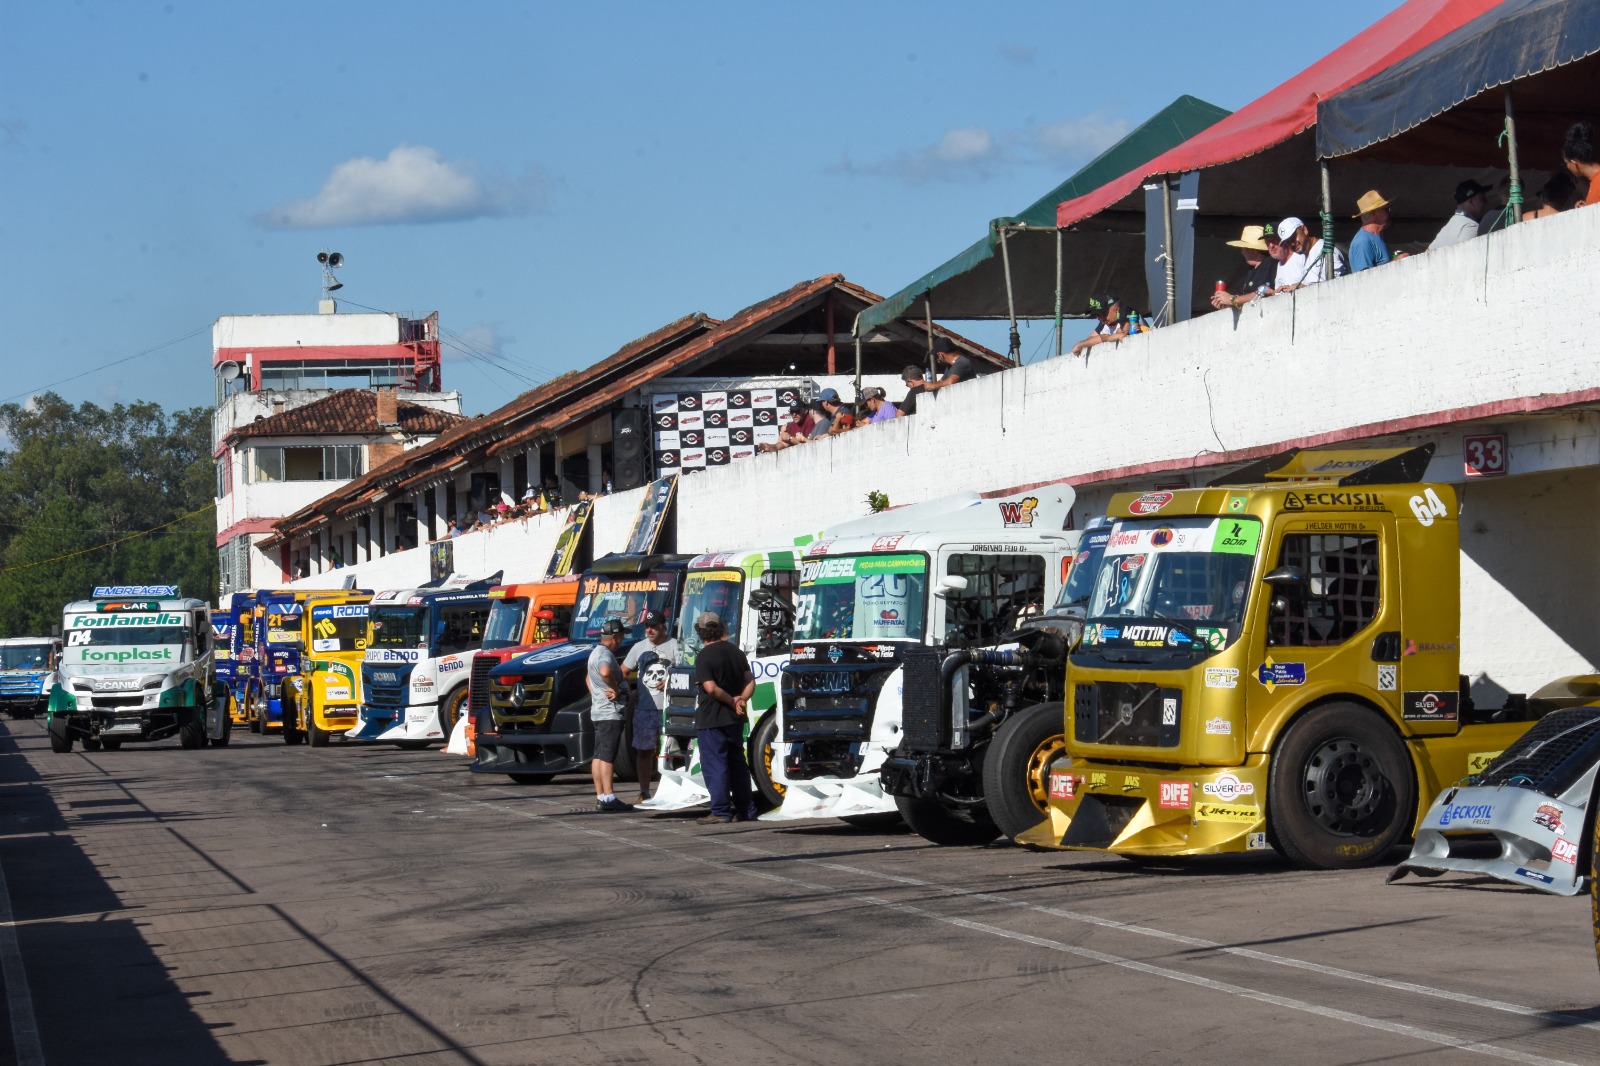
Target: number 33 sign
x,y
1484,456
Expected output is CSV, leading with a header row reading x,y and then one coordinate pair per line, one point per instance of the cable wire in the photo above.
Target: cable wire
x,y
109,543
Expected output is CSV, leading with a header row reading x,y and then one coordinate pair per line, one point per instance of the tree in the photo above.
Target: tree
x,y
92,495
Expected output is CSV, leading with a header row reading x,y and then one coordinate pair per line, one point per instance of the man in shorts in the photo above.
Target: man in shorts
x,y
607,705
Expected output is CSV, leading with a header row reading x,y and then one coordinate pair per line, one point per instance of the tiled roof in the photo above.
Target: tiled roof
x,y
349,412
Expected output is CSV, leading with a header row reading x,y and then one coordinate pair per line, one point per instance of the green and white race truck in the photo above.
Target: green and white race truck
x,y
137,663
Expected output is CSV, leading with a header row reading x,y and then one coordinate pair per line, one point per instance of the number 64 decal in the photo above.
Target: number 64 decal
x,y
1428,506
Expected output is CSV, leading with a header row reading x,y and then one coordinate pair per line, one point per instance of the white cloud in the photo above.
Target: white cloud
x,y
975,153
481,340
414,184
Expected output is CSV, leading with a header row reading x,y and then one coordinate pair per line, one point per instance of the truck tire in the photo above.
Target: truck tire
x,y
60,739
1016,782
622,769
450,710
227,734
1340,791
937,824
317,735
769,793
111,743
91,743
192,734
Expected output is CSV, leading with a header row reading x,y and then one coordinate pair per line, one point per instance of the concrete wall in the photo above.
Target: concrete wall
x,y
288,331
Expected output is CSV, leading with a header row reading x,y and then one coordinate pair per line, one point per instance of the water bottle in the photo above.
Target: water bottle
x,y
1133,323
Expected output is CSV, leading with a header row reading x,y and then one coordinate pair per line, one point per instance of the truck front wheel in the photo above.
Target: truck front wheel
x,y
937,824
770,793
1016,768
1340,792
451,708
314,731
192,734
60,739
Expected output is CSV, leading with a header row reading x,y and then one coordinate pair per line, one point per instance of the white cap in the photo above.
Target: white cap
x,y
1289,227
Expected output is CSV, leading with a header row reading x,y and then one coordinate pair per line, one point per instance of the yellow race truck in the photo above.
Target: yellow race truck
x,y
323,697
1273,661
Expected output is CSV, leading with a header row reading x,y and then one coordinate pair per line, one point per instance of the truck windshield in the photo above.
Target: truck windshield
x,y
24,656
624,596
126,641
504,628
1085,566
339,627
1175,584
398,626
862,597
717,591
283,630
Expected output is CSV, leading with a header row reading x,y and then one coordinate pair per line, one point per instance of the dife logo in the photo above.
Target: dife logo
x,y
1150,503
1176,795
1468,812
128,655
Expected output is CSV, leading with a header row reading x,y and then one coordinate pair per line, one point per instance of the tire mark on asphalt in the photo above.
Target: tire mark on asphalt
x,y
1430,1036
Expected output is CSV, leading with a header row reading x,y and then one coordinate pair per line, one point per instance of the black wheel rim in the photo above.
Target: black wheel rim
x,y
1345,789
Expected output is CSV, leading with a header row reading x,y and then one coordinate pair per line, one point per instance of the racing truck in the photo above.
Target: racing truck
x,y
536,724
26,668
990,720
239,673
322,698
753,593
522,617
414,671
136,664
271,645
1272,661
224,641
876,613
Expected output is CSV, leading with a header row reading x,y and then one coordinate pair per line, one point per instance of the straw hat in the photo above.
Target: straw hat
x,y
1370,200
1251,237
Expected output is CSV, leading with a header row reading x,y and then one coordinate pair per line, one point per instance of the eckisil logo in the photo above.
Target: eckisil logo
x,y
129,655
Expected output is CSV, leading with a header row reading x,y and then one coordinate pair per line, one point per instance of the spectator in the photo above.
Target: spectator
x,y
660,651
1284,256
723,684
1252,244
1110,325
802,420
957,367
1307,266
1582,160
827,403
879,409
1559,194
1495,215
607,704
841,416
1472,200
1368,248
912,376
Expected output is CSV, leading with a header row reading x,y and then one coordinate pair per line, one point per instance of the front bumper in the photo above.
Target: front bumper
x,y
531,752
1507,832
1134,810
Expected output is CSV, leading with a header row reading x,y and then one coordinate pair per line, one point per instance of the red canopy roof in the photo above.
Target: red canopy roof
x,y
1292,106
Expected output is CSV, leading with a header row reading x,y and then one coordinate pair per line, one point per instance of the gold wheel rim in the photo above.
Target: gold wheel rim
x,y
1039,761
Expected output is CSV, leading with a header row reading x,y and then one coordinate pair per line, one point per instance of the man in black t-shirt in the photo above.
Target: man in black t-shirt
x,y
957,367
912,376
723,685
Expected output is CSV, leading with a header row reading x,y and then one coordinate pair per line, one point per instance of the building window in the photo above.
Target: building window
x,y
340,462
224,475
333,374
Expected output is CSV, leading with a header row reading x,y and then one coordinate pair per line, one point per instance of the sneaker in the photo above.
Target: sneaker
x,y
712,819
612,806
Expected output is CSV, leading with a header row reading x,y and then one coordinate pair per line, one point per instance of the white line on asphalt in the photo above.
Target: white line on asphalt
x,y
1396,1028
19,1000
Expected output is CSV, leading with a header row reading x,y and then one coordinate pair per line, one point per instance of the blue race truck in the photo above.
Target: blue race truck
x,y
27,665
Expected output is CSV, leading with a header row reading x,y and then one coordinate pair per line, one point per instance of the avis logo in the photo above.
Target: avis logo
x,y
1018,512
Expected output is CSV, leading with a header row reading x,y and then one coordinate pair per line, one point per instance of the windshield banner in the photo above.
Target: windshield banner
x,y
118,621
1232,536
845,569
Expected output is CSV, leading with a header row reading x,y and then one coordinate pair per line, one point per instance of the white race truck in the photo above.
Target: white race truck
x,y
137,664
957,572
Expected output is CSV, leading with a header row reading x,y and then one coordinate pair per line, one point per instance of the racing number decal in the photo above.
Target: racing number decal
x,y
1427,507
78,636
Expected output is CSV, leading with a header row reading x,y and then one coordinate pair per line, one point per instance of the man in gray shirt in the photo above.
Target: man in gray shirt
x,y
608,700
1472,200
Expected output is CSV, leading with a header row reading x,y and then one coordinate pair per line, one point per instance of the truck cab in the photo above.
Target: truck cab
x,y
414,671
27,666
1272,661
537,722
323,697
136,665
275,647
753,593
876,613
523,617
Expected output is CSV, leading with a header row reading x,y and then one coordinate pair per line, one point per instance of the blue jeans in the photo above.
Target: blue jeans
x,y
727,774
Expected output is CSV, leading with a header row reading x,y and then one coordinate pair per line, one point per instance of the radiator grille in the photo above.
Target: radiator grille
x,y
1552,755
925,721
1130,713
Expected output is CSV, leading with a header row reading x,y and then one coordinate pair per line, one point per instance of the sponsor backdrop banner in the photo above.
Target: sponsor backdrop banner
x,y
694,430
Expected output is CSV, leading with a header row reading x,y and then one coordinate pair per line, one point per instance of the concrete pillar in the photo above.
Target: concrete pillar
x,y
597,477
422,533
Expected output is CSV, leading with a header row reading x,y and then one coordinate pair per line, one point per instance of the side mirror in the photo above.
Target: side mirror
x,y
951,583
1291,576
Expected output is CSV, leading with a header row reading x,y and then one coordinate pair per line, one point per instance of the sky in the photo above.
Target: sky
x,y
554,179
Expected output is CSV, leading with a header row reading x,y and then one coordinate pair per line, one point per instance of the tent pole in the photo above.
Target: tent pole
x,y
927,312
1171,308
1514,193
858,369
832,352
1015,351
1058,291
1327,222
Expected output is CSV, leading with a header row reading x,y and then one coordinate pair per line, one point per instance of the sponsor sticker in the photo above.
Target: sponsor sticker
x,y
1535,875
1272,674
1227,788
1150,503
1175,795
337,692
452,664
1222,677
1018,512
1387,675
1430,706
1479,761
1063,786
1219,812
1256,842
1548,816
1471,813
1131,783
1564,851
1169,711
1219,727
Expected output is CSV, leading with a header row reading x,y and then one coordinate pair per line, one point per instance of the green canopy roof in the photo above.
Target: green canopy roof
x,y
972,285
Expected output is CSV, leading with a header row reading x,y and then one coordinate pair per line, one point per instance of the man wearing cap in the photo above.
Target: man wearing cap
x,y
646,706
840,416
1582,160
1110,325
607,704
1472,200
879,409
723,685
957,367
912,377
1368,248
1307,265
1252,244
